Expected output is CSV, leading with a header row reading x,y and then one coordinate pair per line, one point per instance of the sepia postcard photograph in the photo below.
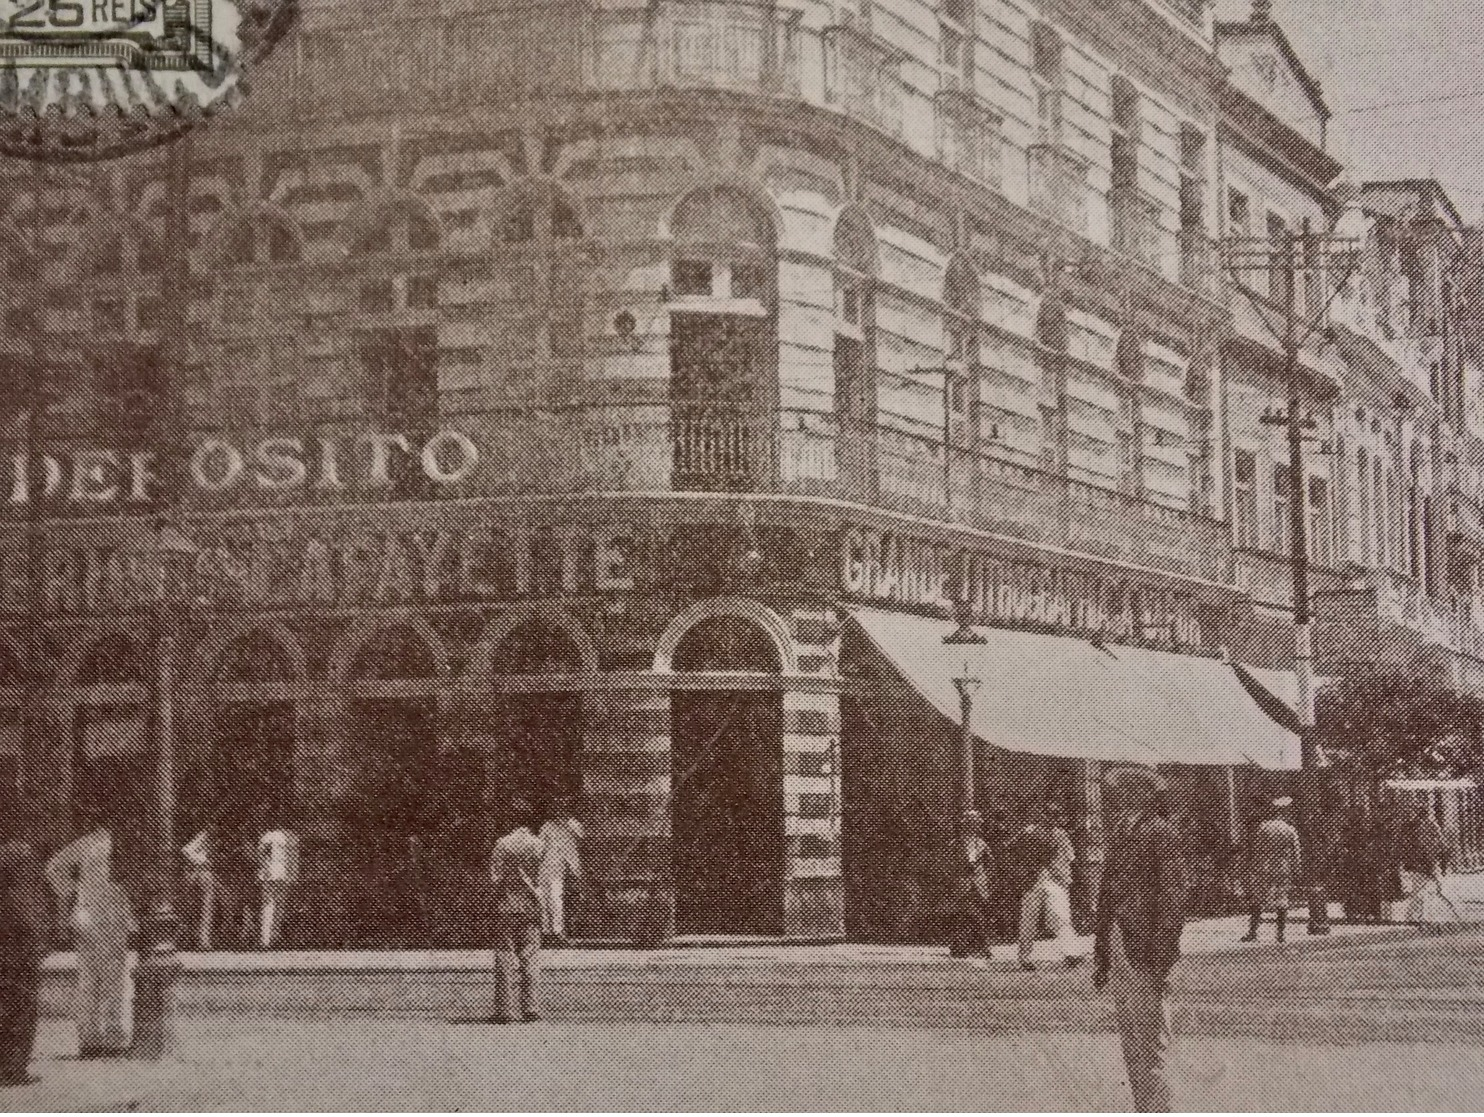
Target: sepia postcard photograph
x,y
741,555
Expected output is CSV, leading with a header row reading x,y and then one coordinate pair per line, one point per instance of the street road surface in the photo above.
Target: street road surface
x,y
1321,1025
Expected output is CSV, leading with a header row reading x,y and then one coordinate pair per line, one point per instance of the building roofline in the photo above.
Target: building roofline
x,y
1427,186
1312,89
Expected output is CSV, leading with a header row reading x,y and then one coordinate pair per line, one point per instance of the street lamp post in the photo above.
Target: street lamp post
x,y
154,998
967,686
159,964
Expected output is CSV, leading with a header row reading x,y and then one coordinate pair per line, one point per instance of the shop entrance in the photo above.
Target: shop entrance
x,y
391,810
113,769
112,773
728,803
727,786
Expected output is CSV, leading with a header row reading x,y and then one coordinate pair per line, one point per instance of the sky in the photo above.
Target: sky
x,y
1405,82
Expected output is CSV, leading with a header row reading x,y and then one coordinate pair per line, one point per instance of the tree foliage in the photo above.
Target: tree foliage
x,y
1388,723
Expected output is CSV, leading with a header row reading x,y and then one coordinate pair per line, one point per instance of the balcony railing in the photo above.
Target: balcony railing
x,y
811,453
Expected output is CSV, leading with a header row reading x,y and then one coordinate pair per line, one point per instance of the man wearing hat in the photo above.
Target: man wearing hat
x,y
1140,916
1273,867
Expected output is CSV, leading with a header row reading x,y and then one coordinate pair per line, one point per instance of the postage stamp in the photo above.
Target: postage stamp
x,y
95,79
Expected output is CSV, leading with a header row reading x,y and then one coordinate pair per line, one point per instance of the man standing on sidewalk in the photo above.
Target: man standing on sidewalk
x,y
1140,916
560,861
1048,901
515,866
1275,861
278,872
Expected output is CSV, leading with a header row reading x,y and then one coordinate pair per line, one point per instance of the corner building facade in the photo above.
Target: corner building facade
x,y
547,385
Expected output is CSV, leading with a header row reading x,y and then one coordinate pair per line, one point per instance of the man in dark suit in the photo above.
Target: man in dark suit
x,y
25,927
1140,916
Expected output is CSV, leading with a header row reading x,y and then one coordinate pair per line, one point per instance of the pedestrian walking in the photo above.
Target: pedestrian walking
x,y
1047,903
560,862
82,876
25,927
278,872
1274,862
1140,917
201,859
515,866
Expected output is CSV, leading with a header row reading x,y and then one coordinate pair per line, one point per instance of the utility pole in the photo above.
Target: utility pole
x,y
1281,261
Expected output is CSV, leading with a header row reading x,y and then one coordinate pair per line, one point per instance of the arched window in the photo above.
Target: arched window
x,y
724,248
855,345
262,238
393,262
541,226
395,653
392,253
122,270
723,338
112,660
536,648
252,658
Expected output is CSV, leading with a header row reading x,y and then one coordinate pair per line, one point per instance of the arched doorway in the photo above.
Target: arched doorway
x,y
727,784
392,799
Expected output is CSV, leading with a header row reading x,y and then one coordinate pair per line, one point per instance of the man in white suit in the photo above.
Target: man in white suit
x,y
278,872
559,860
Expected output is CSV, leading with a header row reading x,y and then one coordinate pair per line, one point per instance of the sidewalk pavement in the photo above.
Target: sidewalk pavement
x,y
1202,937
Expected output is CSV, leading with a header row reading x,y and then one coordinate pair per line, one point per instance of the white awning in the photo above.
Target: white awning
x,y
1062,696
